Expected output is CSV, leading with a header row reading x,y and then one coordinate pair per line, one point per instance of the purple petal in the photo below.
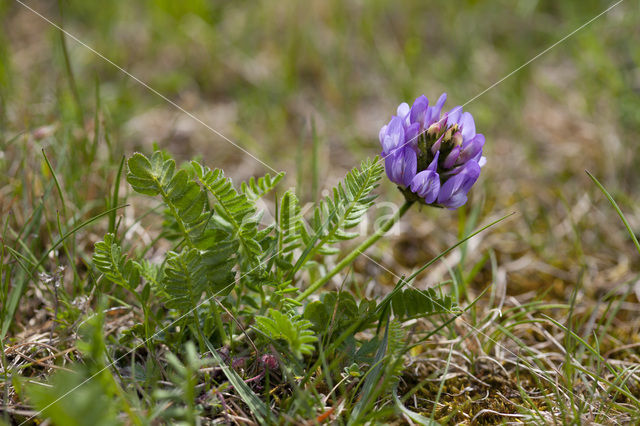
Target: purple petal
x,y
471,149
433,113
453,193
441,100
394,136
403,110
451,158
472,172
453,116
411,135
434,163
436,146
426,184
468,126
456,200
419,109
401,166
383,133
447,189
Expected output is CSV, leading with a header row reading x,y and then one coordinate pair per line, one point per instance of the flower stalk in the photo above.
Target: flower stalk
x,y
349,258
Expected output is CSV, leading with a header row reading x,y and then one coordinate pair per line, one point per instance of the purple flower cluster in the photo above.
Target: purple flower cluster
x,y
434,158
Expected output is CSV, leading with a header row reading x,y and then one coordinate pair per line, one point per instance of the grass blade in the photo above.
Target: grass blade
x,y
617,209
255,404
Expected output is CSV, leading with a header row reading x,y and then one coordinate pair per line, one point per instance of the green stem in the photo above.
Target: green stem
x,y
219,325
357,251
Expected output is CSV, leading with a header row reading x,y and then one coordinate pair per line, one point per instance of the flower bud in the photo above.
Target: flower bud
x,y
434,129
269,361
447,136
457,139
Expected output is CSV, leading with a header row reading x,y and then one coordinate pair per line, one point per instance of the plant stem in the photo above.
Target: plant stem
x,y
357,251
219,325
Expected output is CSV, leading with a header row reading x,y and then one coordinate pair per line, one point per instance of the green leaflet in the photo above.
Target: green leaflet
x,y
189,273
185,279
336,215
109,260
239,214
149,176
335,312
256,188
289,229
183,196
294,330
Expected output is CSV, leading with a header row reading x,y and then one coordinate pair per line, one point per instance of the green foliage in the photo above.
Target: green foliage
x,y
153,275
294,330
289,229
185,279
109,260
396,347
184,197
184,378
257,188
235,211
344,210
412,303
89,405
337,311
189,273
286,70
219,234
206,264
87,394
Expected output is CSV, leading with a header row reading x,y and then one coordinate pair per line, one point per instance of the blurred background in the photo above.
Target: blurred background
x,y
306,86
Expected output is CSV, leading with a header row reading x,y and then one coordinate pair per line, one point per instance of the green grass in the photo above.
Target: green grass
x,y
546,330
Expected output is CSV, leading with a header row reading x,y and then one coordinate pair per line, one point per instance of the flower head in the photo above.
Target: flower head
x,y
434,158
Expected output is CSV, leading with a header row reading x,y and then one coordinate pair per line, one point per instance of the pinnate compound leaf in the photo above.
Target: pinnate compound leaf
x,y
182,195
257,188
147,176
237,211
290,229
218,262
294,330
191,272
336,215
185,279
115,266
